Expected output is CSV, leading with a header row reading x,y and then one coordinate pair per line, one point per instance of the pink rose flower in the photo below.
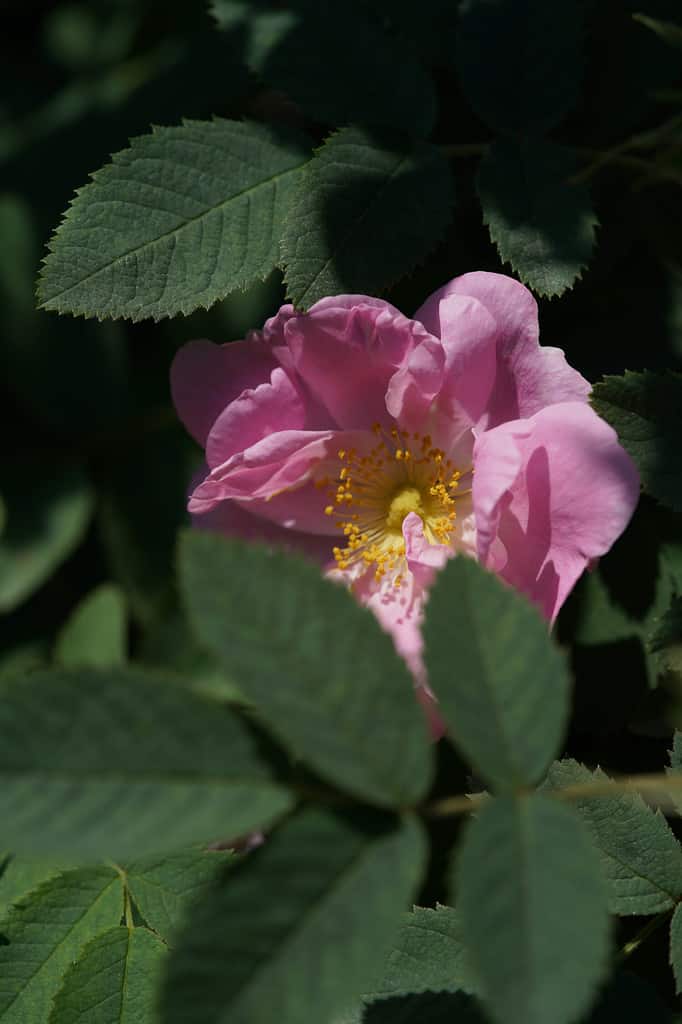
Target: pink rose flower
x,y
383,446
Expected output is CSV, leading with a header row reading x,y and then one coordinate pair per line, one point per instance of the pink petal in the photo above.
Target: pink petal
x,y
273,406
529,376
571,498
207,377
345,350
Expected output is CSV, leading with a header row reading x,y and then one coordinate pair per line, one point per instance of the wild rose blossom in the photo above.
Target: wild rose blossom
x,y
382,446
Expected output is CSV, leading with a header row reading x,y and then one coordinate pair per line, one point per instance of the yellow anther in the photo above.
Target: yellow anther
x,y
329,511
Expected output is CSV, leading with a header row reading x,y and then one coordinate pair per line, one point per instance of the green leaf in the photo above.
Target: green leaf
x,y
178,220
114,980
427,1008
336,75
95,634
520,64
427,956
645,409
171,645
534,911
541,222
502,685
641,858
165,887
18,875
44,934
368,209
120,762
318,668
300,926
48,510
676,947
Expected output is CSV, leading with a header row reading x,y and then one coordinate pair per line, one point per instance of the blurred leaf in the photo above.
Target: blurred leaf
x,y
44,933
427,1008
645,409
48,510
666,642
318,668
164,888
142,503
66,375
501,684
368,209
23,658
676,947
300,926
427,956
542,225
520,63
641,858
171,645
668,31
336,73
95,634
114,979
118,762
534,911
214,195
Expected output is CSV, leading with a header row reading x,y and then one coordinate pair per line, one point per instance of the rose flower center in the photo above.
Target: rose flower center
x,y
374,492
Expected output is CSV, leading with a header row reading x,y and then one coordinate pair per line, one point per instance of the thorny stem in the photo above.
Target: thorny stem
x,y
651,783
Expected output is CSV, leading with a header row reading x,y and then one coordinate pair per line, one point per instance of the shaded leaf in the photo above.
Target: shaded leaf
x,y
335,74
44,933
542,223
520,64
114,980
427,956
645,410
676,947
95,634
368,209
178,220
534,911
641,858
318,668
503,689
165,887
300,926
48,509
106,763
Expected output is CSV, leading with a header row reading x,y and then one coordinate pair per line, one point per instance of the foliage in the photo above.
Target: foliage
x,y
219,798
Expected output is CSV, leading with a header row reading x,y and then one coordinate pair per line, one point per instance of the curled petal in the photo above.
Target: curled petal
x,y
345,350
205,378
571,498
528,376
